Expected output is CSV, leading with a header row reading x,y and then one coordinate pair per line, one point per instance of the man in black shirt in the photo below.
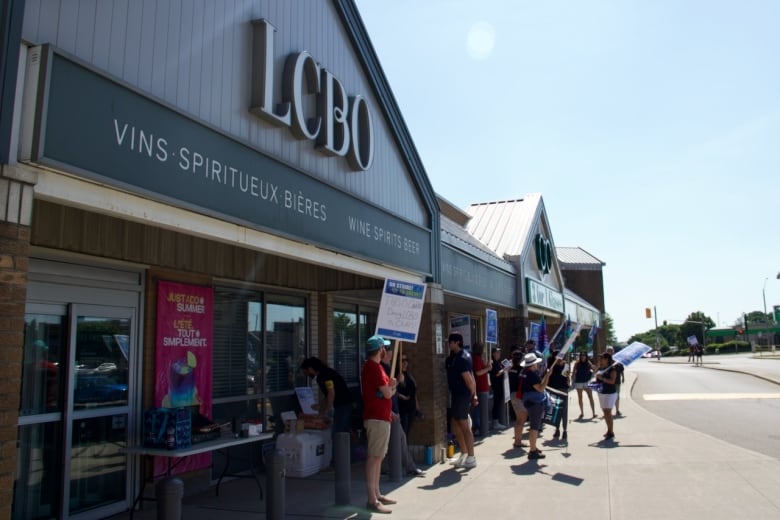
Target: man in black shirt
x,y
338,399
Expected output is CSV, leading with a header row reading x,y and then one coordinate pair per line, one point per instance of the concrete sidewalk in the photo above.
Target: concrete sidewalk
x,y
653,469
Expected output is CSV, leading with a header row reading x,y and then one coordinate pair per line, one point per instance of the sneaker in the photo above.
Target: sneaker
x,y
471,462
461,461
536,454
498,426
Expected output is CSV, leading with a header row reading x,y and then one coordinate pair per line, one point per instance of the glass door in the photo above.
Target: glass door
x,y
74,411
99,407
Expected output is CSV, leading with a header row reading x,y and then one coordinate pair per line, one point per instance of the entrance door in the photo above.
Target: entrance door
x,y
77,383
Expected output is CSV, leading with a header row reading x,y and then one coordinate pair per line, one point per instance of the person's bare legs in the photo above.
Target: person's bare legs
x,y
579,400
590,398
608,420
519,424
464,436
373,470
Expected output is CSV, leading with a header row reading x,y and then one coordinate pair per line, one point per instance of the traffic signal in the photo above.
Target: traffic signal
x,y
648,312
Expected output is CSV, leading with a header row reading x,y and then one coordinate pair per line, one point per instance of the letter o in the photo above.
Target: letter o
x,y
361,151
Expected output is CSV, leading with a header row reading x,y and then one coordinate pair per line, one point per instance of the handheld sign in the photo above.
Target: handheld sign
x,y
491,326
631,353
400,310
569,341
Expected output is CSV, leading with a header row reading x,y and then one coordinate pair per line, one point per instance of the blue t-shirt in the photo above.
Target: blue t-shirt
x,y
461,362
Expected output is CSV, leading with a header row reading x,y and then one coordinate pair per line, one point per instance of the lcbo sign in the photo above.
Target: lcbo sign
x,y
339,126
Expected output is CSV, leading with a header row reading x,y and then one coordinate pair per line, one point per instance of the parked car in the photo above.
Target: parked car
x,y
97,388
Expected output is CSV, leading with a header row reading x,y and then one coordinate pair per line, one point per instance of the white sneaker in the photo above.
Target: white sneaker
x,y
461,461
471,462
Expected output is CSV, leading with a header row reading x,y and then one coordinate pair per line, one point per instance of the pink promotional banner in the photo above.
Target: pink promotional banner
x,y
185,326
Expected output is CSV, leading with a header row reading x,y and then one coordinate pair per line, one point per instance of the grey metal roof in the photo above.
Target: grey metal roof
x,y
504,226
577,258
457,237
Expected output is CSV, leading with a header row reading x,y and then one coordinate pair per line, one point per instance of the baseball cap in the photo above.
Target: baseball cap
x,y
374,343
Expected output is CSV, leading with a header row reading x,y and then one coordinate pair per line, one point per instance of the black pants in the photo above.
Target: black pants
x,y
498,402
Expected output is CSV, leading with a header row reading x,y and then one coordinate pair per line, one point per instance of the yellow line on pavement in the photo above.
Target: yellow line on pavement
x,y
706,397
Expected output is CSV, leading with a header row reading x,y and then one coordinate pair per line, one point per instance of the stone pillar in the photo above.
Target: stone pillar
x,y
15,219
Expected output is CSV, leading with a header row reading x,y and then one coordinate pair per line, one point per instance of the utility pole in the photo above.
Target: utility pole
x,y
657,340
763,293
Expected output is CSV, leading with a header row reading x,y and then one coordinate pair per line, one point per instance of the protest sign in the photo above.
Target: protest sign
x,y
631,353
400,310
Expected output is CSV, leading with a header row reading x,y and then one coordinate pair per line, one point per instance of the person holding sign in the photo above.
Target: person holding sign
x,y
607,376
463,389
535,379
377,391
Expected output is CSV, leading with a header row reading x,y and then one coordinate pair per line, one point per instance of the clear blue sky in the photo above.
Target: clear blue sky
x,y
651,129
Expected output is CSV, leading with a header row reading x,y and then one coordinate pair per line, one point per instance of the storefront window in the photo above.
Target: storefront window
x,y
45,338
260,340
352,326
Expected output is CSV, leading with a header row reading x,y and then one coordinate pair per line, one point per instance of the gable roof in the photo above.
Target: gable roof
x,y
577,258
456,236
504,226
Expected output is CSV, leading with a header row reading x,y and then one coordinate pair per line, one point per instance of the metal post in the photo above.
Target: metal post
x,y
168,493
484,413
341,461
657,340
394,452
275,483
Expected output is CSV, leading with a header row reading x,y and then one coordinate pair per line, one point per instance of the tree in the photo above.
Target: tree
x,y
695,325
758,317
609,329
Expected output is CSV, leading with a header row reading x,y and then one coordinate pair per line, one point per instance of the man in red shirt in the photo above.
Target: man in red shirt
x,y
377,389
482,379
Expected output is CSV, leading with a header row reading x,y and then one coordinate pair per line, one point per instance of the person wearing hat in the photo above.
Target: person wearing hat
x,y
407,462
463,389
533,386
377,389
530,346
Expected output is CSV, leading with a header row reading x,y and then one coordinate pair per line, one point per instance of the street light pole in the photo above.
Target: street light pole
x,y
763,292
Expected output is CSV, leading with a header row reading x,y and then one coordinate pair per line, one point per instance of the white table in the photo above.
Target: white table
x,y
221,445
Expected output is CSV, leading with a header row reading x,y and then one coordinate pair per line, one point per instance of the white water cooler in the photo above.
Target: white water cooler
x,y
305,453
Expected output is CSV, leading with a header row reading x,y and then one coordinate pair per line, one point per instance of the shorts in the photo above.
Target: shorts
x,y
581,386
535,413
607,401
378,433
461,406
517,405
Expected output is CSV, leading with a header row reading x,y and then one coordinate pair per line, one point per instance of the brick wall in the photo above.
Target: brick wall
x,y
14,261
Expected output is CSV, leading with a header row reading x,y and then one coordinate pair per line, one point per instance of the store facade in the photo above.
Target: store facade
x,y
202,197
519,231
